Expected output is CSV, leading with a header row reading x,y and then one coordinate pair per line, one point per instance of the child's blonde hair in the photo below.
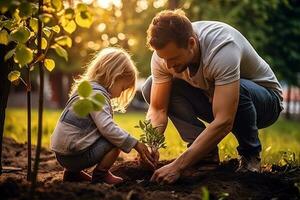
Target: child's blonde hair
x,y
105,68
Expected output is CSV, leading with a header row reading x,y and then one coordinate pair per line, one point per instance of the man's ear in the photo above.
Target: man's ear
x,y
191,43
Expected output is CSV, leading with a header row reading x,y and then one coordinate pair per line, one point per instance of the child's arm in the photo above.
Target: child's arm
x,y
111,131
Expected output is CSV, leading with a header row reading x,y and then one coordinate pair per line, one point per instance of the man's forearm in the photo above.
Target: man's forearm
x,y
203,144
158,119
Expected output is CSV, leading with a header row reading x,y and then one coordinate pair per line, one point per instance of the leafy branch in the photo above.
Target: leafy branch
x,y
151,136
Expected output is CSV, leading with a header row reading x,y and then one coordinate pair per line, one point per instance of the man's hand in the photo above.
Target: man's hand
x,y
166,174
145,155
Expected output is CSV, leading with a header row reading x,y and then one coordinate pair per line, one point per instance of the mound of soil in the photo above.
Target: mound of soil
x,y
222,183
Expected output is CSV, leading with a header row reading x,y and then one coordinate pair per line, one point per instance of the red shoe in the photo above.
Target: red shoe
x,y
76,176
105,176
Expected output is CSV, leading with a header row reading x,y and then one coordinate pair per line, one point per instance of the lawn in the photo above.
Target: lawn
x,y
281,141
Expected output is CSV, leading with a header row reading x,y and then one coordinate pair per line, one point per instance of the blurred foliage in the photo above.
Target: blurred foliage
x,y
272,27
19,25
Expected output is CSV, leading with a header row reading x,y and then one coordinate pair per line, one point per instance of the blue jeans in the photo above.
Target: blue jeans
x,y
88,158
258,108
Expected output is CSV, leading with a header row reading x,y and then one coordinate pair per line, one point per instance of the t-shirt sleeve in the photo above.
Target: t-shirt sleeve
x,y
158,70
224,67
111,131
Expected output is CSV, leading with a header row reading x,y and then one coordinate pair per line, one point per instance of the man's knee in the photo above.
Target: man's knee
x,y
146,89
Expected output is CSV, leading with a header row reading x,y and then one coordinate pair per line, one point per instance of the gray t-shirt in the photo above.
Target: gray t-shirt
x,y
226,56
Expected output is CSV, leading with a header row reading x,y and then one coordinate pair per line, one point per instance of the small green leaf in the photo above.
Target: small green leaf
x,y
84,19
82,107
141,125
49,64
9,24
64,41
46,31
98,101
57,4
81,7
23,55
205,193
69,13
55,28
9,54
4,37
20,34
84,89
44,43
46,17
26,9
68,25
33,23
60,51
13,75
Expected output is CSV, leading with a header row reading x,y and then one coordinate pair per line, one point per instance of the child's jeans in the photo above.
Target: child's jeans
x,y
258,107
88,158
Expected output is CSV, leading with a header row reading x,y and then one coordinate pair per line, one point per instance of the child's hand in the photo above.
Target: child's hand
x,y
145,155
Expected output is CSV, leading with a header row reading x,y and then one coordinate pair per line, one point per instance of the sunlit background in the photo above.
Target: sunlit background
x,y
123,23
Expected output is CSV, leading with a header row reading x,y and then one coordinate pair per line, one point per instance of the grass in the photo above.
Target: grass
x,y
281,141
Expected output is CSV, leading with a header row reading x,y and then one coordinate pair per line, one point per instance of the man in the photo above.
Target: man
x,y
208,70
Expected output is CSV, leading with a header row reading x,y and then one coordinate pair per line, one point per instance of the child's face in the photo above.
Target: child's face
x,y
119,86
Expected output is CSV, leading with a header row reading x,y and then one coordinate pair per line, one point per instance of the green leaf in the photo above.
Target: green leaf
x,y
46,17
44,43
69,13
9,24
82,107
64,41
13,75
26,9
81,7
141,125
84,19
9,54
55,28
20,34
33,23
47,31
16,16
57,4
23,55
60,51
68,25
85,89
98,101
49,64
205,193
4,37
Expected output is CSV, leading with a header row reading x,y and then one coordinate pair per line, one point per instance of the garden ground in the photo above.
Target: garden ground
x,y
222,183
280,178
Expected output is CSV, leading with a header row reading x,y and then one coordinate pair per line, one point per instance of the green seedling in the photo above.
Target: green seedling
x,y
151,137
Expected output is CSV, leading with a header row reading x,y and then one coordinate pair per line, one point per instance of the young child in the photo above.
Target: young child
x,y
82,142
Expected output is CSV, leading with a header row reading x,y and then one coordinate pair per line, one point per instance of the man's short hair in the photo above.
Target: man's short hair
x,y
169,26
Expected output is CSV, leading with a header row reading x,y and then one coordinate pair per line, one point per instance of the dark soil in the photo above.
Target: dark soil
x,y
222,183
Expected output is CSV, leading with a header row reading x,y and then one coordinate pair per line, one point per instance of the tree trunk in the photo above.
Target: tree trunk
x,y
28,88
41,104
4,91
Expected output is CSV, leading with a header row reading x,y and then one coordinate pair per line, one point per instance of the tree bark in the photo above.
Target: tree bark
x,y
41,104
4,91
